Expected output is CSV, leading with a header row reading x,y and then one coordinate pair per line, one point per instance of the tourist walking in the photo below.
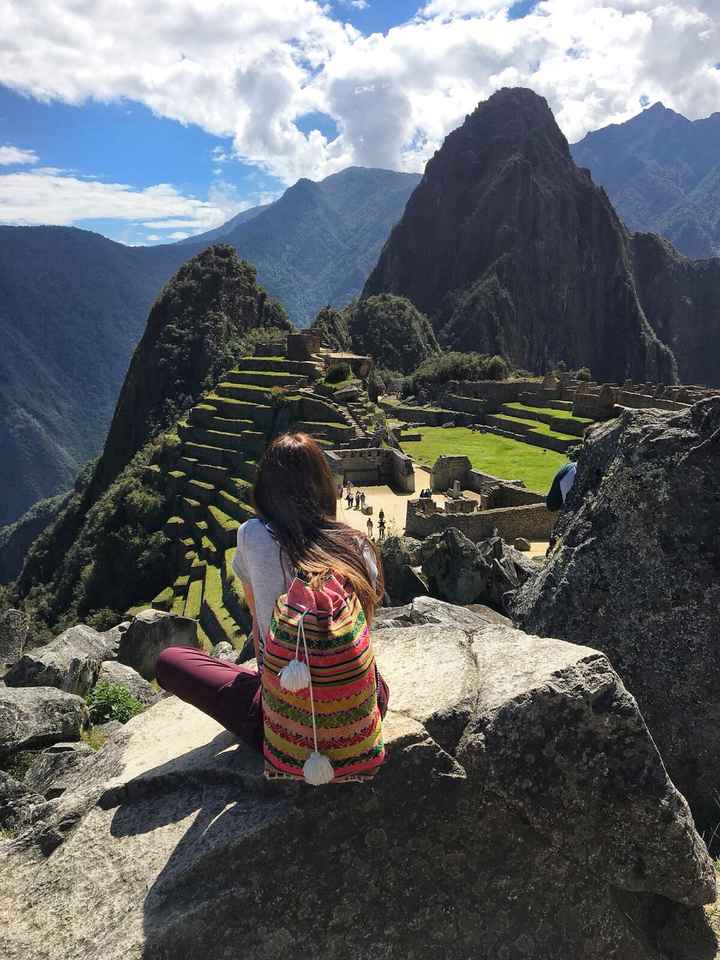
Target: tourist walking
x,y
349,500
381,527
294,544
357,500
369,528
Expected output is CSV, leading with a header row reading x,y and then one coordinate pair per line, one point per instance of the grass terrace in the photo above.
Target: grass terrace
x,y
500,456
536,426
546,411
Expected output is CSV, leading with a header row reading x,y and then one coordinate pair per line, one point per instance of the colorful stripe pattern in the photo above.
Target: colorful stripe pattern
x,y
342,668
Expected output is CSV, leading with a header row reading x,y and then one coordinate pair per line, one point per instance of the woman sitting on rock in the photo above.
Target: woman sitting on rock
x,y
294,539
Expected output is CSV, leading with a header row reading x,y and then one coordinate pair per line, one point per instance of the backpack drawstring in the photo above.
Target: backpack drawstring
x,y
296,676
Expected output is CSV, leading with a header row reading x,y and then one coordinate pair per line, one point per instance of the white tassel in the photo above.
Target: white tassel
x,y
295,676
318,769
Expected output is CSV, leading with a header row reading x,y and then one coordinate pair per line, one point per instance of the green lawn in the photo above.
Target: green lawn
x,y
500,456
563,414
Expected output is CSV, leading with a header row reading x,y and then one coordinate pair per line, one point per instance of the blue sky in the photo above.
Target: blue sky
x,y
161,120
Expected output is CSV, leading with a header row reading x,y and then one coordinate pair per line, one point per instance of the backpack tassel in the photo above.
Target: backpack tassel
x,y
296,675
317,769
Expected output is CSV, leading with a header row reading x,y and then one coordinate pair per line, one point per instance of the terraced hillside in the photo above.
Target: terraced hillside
x,y
209,477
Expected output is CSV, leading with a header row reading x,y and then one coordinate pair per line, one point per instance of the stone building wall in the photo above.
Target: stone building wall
x,y
373,466
532,521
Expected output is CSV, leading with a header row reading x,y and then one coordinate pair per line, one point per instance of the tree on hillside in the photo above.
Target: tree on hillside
x,y
331,326
392,330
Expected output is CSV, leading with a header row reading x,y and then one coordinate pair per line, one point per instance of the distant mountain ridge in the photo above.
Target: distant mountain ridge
x,y
662,173
73,306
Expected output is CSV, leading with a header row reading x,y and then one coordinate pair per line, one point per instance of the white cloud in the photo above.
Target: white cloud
x,y
248,69
11,156
47,195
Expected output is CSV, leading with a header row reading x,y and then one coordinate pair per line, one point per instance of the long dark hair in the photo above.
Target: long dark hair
x,y
295,492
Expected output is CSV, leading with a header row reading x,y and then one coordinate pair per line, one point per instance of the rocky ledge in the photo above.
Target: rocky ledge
x,y
523,811
637,575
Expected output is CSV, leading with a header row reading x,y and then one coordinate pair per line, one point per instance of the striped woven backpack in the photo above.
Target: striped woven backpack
x,y
321,717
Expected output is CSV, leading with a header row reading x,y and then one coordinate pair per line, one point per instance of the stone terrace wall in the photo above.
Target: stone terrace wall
x,y
642,401
509,496
532,521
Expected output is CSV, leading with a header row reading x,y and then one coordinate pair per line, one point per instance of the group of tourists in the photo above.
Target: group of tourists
x,y
357,499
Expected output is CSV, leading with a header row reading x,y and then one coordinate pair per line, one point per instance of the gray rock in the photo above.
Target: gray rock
x,y
400,557
36,716
70,662
637,574
225,651
14,628
113,637
124,676
520,543
19,805
46,774
151,632
429,610
460,571
537,820
108,729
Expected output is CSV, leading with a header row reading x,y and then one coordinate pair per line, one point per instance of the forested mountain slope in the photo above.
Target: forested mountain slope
x,y
662,172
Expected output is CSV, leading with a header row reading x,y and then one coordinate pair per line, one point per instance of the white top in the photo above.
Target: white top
x,y
259,562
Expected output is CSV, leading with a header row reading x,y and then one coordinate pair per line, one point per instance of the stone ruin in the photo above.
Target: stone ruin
x,y
502,507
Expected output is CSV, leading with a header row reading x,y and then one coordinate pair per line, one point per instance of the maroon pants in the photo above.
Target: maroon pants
x,y
225,691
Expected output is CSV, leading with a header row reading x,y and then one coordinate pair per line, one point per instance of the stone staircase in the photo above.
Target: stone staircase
x,y
210,482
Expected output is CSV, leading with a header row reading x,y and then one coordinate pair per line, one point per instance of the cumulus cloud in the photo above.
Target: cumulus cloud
x,y
248,70
48,195
14,156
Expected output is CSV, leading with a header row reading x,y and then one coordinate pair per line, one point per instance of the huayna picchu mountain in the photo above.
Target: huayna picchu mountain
x,y
158,520
511,249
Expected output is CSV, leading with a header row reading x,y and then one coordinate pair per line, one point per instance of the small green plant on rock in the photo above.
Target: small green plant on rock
x,y
111,701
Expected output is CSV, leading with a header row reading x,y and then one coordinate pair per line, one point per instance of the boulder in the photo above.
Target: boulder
x,y
460,571
520,543
46,772
14,628
523,811
124,676
429,610
636,573
37,716
70,662
151,632
400,555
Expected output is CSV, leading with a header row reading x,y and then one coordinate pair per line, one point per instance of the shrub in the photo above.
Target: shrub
x,y
455,365
583,374
338,372
111,701
497,368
